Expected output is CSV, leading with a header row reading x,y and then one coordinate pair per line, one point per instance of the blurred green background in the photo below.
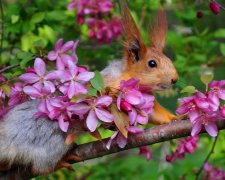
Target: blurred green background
x,y
193,44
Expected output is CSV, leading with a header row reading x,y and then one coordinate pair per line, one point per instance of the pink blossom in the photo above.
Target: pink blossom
x,y
187,145
144,109
60,53
75,80
125,106
206,120
96,108
129,92
121,141
58,110
104,32
144,150
17,95
217,92
39,77
193,105
211,173
37,91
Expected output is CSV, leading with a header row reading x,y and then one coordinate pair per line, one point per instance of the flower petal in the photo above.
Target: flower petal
x,y
92,121
85,76
121,140
32,92
64,125
67,46
118,101
133,97
135,130
142,119
193,114
103,101
211,128
79,108
104,115
49,85
197,127
29,77
108,144
58,44
79,88
52,56
59,64
39,66
132,116
184,108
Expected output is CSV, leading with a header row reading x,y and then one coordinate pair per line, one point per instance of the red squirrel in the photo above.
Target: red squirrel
x,y
39,144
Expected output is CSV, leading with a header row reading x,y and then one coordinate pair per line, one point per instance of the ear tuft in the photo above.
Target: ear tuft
x,y
133,44
158,30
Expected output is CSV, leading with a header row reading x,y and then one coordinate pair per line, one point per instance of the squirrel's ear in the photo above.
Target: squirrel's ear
x,y
133,44
158,30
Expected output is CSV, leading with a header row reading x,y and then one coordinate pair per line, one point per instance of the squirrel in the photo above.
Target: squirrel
x,y
39,143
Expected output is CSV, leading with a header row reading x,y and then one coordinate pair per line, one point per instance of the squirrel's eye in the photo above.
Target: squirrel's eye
x,y
152,64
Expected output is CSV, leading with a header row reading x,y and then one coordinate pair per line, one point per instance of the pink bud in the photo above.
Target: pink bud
x,y
199,14
223,111
30,70
124,105
215,7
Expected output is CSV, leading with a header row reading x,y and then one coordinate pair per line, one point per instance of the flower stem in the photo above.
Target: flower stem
x,y
207,158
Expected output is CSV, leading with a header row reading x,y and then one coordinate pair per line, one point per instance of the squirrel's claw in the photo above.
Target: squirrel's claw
x,y
64,163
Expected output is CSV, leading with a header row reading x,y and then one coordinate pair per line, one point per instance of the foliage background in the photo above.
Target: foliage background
x,y
193,44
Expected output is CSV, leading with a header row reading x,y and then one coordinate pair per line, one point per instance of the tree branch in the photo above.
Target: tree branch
x,y
150,136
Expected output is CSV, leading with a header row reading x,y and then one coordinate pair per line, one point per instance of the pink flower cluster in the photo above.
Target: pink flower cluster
x,y
204,108
96,14
211,173
187,145
138,104
55,88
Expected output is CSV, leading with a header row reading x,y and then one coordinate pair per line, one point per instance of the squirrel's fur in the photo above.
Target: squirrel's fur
x,y
40,144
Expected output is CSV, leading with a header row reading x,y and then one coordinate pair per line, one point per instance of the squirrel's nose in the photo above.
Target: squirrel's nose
x,y
173,81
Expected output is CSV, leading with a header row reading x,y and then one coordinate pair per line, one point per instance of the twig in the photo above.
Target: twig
x,y
8,67
207,158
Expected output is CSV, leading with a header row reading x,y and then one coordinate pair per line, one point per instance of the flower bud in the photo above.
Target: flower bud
x,y
124,105
215,7
199,14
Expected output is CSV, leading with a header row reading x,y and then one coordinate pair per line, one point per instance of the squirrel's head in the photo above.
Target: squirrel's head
x,y
149,64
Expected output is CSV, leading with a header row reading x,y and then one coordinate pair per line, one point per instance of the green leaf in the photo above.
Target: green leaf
x,y
39,43
97,82
37,17
25,57
220,33
188,89
5,88
14,18
222,49
92,92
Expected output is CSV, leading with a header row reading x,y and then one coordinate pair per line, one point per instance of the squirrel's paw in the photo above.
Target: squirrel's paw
x,y
180,117
64,163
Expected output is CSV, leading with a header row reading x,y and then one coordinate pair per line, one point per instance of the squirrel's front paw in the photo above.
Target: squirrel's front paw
x,y
64,163
180,117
